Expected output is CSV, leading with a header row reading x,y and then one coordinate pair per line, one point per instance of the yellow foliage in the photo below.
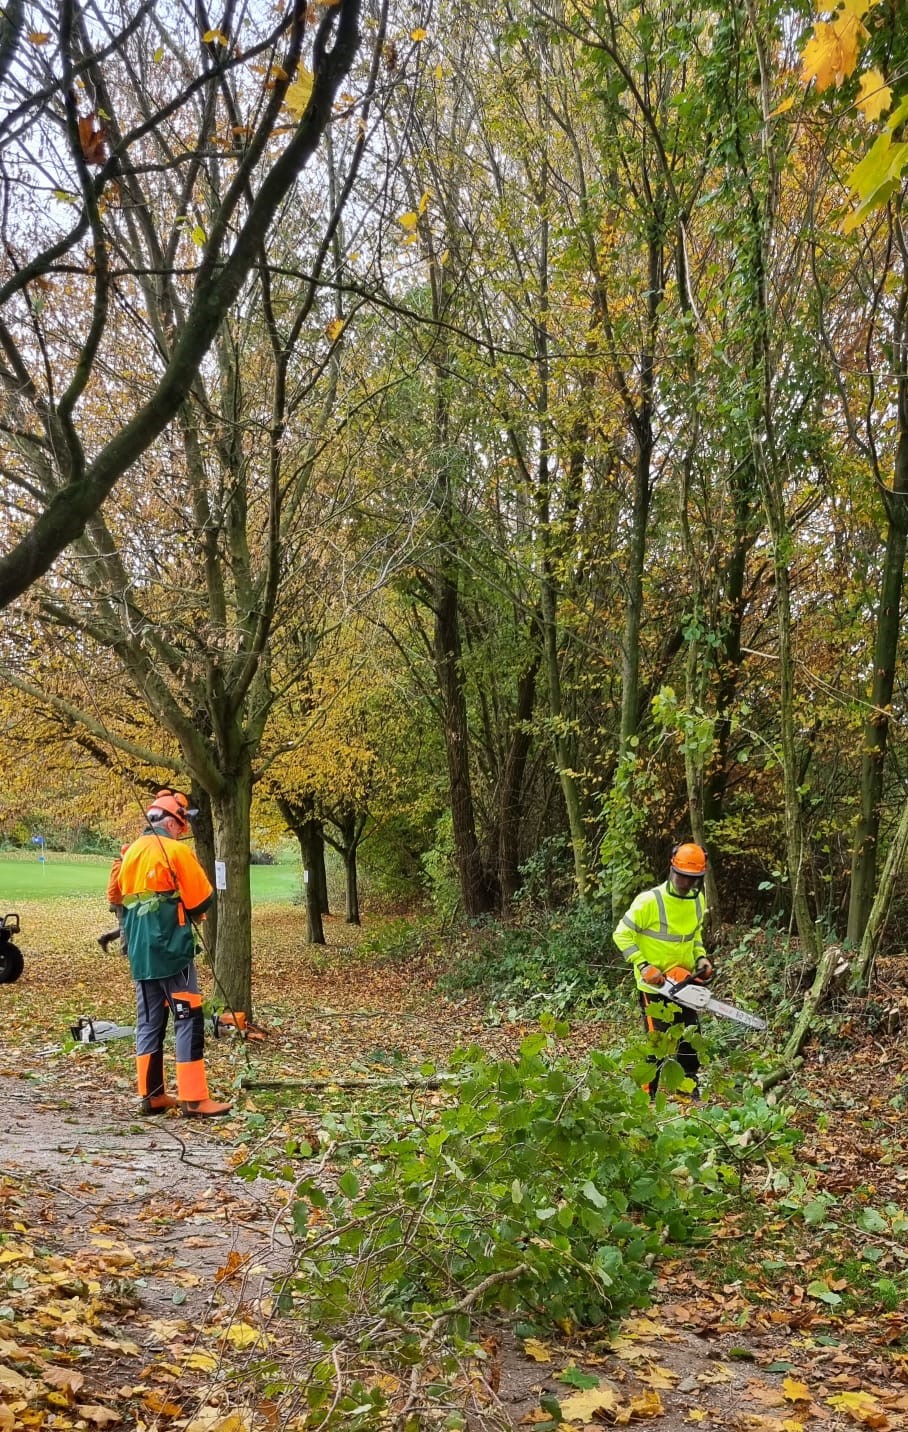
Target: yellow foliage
x,y
299,93
538,1351
860,1407
583,1406
795,1391
831,54
243,1335
874,95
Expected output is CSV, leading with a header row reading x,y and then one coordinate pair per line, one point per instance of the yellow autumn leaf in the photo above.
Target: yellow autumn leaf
x,y
821,57
243,1335
697,1414
643,1327
409,220
582,1406
538,1351
850,33
98,1416
782,108
39,37
386,1382
201,1361
791,1424
860,1407
874,95
831,53
658,1377
418,35
13,1381
721,1372
213,1421
214,37
16,1252
795,1391
645,1405
300,92
334,329
198,236
878,173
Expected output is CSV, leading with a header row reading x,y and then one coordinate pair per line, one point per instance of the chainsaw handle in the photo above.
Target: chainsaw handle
x,y
682,984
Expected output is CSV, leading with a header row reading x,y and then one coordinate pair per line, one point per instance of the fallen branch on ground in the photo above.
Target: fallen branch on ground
x,y
778,1076
434,1081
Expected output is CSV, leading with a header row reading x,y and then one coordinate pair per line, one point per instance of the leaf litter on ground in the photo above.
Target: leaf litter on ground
x,y
751,1341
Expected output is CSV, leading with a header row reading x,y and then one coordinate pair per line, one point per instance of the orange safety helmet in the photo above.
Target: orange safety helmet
x,y
689,859
170,803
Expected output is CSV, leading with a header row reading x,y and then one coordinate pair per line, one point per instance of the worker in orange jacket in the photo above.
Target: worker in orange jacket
x,y
663,930
164,892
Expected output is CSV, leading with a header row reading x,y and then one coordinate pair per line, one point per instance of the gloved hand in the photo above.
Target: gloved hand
x,y
704,970
653,975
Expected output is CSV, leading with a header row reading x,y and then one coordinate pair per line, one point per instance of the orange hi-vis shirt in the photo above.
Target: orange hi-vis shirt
x,y
163,887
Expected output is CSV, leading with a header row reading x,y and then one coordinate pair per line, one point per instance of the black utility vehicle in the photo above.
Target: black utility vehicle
x,y
11,960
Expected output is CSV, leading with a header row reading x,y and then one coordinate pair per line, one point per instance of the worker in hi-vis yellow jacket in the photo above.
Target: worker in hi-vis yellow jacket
x,y
662,931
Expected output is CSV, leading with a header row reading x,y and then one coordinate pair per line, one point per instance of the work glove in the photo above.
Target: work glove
x,y
704,970
653,975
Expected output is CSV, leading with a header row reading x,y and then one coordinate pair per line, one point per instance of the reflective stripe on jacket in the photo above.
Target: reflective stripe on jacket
x,y
662,928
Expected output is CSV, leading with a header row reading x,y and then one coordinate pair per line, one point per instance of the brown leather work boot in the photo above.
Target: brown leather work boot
x,y
204,1108
158,1103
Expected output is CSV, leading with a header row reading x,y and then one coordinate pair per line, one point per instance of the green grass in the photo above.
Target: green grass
x,y
64,876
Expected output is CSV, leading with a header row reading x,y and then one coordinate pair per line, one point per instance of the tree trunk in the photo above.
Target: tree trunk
x,y
352,886
813,1001
302,822
811,942
876,727
475,892
320,870
203,836
694,760
892,871
511,801
350,827
564,743
747,525
233,953
312,845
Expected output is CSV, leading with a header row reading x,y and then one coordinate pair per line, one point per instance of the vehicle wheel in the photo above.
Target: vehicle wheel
x,y
11,962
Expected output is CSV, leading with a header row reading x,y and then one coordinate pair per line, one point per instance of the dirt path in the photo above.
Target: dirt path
x,y
132,1251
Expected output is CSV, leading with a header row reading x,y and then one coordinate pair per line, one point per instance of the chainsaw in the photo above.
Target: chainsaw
x,y
684,988
96,1031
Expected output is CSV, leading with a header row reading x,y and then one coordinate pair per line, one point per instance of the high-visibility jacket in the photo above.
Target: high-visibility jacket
x,y
163,888
662,928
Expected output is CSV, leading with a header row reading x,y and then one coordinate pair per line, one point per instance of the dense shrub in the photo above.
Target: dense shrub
x,y
559,962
